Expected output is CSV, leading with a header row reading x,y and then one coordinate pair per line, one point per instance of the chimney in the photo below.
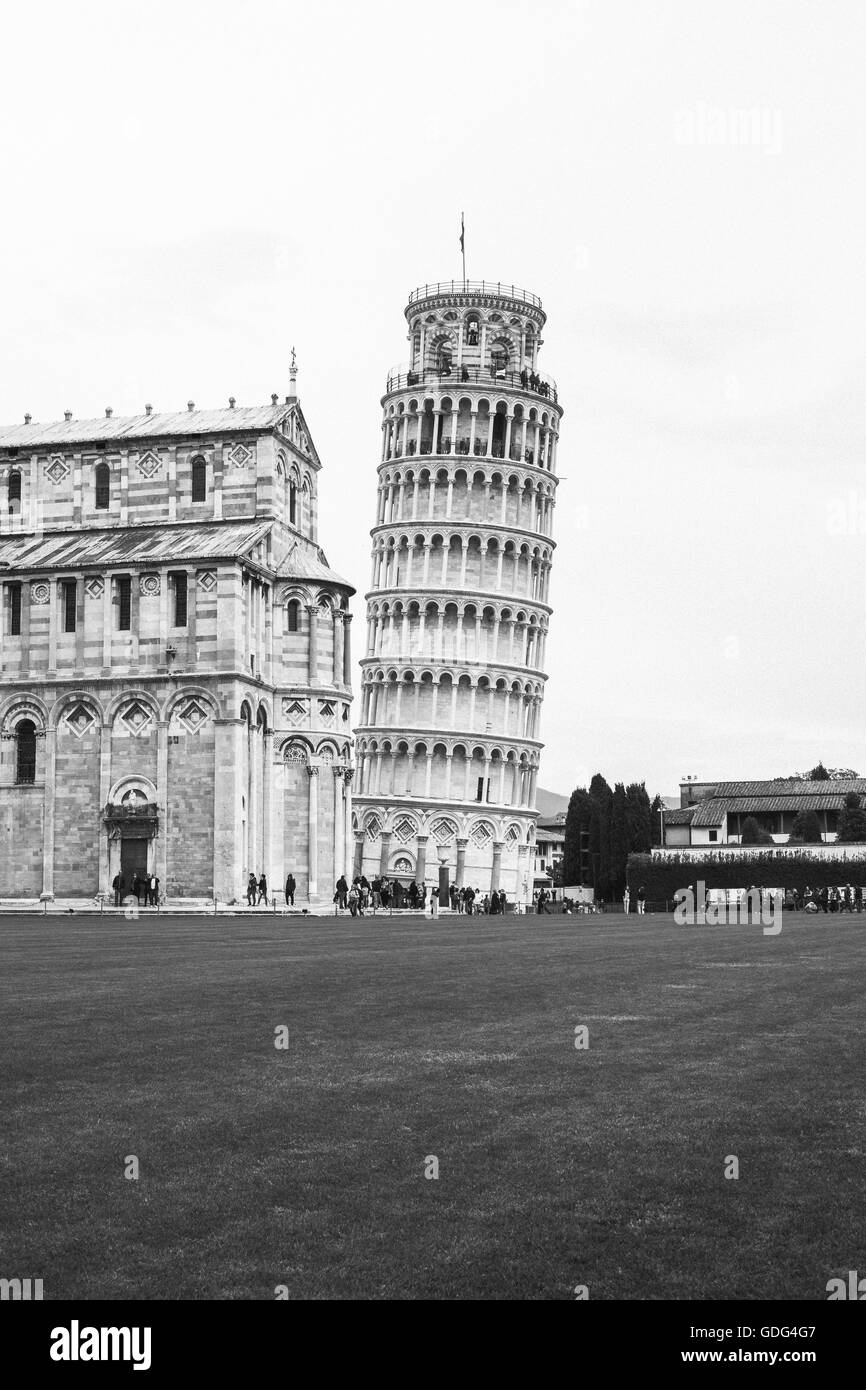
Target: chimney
x,y
108,412
27,419
67,415
274,398
190,405
148,409
231,402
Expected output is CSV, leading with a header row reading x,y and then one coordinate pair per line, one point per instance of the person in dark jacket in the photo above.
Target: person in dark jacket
x,y
263,890
290,890
251,890
342,893
119,889
823,899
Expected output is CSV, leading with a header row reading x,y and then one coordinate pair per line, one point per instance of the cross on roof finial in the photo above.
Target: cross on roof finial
x,y
293,357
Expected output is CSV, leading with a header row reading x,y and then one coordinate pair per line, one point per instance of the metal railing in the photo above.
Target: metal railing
x,y
474,286
537,383
461,448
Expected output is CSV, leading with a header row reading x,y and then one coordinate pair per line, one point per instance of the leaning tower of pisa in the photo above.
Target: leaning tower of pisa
x,y
457,615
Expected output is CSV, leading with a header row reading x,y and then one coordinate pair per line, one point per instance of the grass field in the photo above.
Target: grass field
x,y
305,1167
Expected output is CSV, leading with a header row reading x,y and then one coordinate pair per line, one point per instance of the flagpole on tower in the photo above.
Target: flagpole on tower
x,y
463,247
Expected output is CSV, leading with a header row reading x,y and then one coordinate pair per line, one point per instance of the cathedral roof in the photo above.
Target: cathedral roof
x,y
134,545
181,543
57,433
302,562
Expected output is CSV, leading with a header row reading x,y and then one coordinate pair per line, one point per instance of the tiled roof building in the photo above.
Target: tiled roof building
x,y
713,813
175,673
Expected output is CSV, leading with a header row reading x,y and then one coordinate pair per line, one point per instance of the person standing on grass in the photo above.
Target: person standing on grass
x,y
290,890
342,892
641,900
823,898
858,898
541,902
354,899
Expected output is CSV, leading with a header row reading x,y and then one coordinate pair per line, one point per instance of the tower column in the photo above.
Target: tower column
x,y
460,872
421,860
384,851
347,649
497,866
312,834
313,669
338,646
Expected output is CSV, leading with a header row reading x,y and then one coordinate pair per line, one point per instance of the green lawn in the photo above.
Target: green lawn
x,y
411,1038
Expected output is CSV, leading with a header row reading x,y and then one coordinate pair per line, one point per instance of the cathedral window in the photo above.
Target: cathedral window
x,y
14,610
180,599
292,612
14,494
103,487
199,479
70,604
124,603
25,753
293,504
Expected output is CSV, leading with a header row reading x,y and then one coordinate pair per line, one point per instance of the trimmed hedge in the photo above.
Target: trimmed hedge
x,y
663,877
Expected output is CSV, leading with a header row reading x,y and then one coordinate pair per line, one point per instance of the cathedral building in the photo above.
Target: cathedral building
x,y
175,669
453,679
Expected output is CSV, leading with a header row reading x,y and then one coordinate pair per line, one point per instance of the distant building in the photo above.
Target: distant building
x,y
713,813
174,657
549,848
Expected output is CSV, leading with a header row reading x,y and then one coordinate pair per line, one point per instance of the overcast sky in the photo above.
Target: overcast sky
x,y
190,189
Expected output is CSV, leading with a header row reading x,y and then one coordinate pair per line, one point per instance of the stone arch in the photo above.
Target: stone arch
x,y
190,692
132,781
19,707
128,697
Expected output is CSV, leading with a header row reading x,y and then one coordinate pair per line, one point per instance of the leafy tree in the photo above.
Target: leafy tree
x,y
752,834
818,774
656,828
852,822
577,823
613,824
599,834
806,829
641,821
620,832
